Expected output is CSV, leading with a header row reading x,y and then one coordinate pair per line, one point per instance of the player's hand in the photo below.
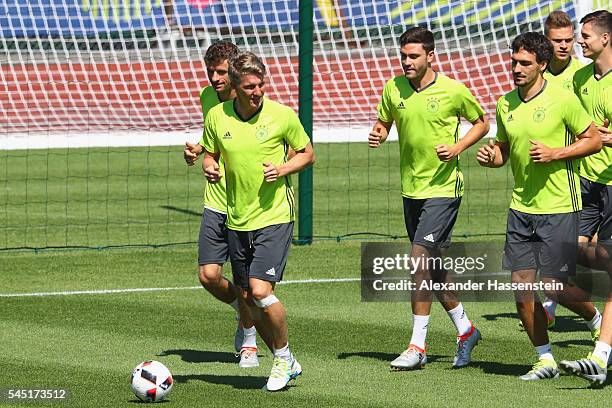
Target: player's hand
x,y
540,153
191,153
605,133
446,153
212,173
375,138
271,172
486,154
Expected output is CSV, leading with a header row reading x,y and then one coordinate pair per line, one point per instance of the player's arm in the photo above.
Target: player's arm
x,y
300,160
210,165
379,133
191,152
480,127
587,143
493,154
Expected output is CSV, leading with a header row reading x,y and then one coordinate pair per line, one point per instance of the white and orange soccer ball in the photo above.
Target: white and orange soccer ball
x,y
151,381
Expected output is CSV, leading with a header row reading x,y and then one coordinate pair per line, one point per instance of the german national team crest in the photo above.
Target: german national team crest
x,y
433,104
539,115
261,133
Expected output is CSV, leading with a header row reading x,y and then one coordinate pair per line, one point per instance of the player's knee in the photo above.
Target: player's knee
x,y
260,290
210,275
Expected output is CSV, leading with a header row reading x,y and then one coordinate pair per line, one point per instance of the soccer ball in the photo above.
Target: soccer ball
x,y
151,381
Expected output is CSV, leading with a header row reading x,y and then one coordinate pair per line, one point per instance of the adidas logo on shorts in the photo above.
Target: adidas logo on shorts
x,y
429,238
271,272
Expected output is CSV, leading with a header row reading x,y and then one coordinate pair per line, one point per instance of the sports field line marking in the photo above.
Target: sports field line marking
x,y
136,290
131,290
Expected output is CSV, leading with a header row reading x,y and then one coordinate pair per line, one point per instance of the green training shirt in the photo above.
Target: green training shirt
x,y
214,194
245,145
603,108
591,92
564,78
553,117
424,119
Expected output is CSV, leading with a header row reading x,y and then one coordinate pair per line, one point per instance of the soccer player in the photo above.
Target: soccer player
x,y
425,106
593,85
213,245
252,134
542,129
559,29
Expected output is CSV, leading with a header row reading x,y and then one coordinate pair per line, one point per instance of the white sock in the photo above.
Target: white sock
x,y
460,319
234,304
596,321
250,337
550,306
283,353
545,352
602,351
419,330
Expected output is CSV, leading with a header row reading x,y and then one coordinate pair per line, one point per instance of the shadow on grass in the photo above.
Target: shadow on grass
x,y
197,356
496,368
236,381
492,317
137,401
181,210
562,323
589,386
569,324
570,343
388,357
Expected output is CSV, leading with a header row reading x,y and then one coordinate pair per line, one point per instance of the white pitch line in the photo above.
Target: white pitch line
x,y
131,290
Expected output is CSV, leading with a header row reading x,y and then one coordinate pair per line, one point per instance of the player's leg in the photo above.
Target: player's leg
x,y
240,258
520,258
270,251
213,252
592,195
414,356
595,367
559,232
437,222
533,317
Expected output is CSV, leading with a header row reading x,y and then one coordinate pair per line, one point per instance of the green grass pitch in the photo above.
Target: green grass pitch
x,y
89,344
